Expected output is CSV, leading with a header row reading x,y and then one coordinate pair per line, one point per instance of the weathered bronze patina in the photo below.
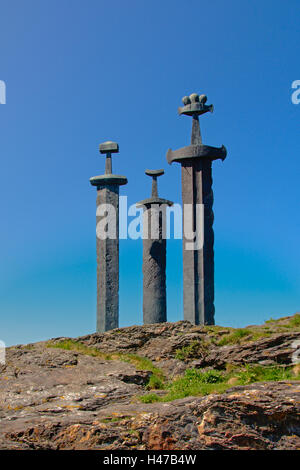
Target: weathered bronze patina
x,y
196,173
108,248
154,254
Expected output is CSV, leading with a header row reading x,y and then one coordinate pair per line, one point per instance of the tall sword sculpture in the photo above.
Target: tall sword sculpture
x,y
196,177
154,254
107,217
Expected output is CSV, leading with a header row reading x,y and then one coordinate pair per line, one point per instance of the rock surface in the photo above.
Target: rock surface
x,y
53,398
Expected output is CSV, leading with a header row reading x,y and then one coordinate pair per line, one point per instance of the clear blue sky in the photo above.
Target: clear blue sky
x,y
82,72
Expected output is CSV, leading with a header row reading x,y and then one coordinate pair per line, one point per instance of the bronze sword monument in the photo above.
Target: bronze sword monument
x,y
154,254
196,179
108,242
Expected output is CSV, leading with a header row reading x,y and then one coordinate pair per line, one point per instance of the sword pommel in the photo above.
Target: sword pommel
x,y
195,105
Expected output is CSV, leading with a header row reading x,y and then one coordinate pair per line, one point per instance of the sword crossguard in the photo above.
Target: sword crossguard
x,y
108,178
195,105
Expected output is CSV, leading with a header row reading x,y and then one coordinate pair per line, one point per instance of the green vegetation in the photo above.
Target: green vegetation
x,y
150,398
156,380
285,322
235,337
199,383
256,373
114,419
191,351
72,345
142,363
295,320
272,320
220,336
195,382
243,335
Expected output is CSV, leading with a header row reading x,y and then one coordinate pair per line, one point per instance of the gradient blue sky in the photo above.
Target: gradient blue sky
x,y
82,72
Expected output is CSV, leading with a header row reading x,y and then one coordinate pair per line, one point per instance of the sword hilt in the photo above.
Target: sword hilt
x,y
154,174
108,148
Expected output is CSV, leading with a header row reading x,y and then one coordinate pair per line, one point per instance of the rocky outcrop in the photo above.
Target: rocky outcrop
x,y
276,349
258,416
52,398
161,343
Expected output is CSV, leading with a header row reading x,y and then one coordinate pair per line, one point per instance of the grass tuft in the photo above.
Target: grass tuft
x,y
155,383
257,373
271,320
235,337
114,419
149,398
72,345
199,383
295,321
193,350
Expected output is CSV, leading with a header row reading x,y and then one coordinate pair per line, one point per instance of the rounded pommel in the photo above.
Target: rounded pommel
x,y
203,98
194,105
194,98
154,172
186,100
109,147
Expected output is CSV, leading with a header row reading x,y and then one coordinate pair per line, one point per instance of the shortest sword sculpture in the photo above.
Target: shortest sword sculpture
x,y
108,241
196,177
154,254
